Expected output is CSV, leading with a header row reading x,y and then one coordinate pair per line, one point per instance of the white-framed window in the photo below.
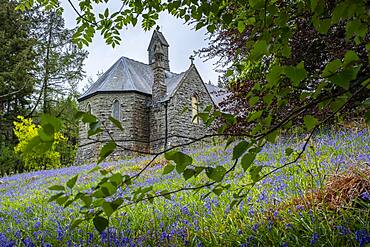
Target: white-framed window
x,y
194,109
116,109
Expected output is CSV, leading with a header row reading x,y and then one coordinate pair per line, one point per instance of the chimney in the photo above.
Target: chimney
x,y
159,87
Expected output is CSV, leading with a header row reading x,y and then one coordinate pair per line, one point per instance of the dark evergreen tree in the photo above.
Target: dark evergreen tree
x,y
60,62
16,65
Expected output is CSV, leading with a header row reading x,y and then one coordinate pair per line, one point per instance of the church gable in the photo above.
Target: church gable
x,y
192,83
149,102
190,97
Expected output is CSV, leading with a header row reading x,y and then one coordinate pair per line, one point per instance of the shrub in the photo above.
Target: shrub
x,y
25,130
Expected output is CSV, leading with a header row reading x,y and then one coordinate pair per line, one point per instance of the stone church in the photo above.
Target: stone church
x,y
156,107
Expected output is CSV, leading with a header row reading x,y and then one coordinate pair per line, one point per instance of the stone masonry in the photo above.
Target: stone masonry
x,y
155,105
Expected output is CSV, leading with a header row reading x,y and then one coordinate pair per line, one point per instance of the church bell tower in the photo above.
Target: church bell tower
x,y
158,39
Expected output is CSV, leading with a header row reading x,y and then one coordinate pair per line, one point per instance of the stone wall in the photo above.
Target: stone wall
x,y
134,118
180,108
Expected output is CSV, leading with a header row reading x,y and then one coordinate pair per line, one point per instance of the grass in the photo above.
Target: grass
x,y
277,211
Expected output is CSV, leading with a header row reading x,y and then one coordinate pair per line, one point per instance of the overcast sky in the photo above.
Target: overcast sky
x,y
181,38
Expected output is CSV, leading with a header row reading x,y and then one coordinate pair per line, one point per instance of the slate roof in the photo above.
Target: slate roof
x,y
130,75
217,94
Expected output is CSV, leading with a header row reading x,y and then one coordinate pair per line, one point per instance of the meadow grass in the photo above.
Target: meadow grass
x,y
269,215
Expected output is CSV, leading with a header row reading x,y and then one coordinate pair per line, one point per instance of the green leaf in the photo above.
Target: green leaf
x,y
108,189
45,136
182,160
271,137
313,4
273,76
267,99
331,68
260,48
367,117
57,187
106,150
229,72
288,151
247,160
116,203
255,173
98,194
100,223
338,103
321,25
47,119
116,123
254,100
218,191
61,200
310,122
198,170
216,174
87,200
349,58
94,129
96,168
241,26
257,4
254,115
116,179
76,223
107,208
230,119
71,183
56,196
344,77
296,73
240,149
188,173
168,168
88,118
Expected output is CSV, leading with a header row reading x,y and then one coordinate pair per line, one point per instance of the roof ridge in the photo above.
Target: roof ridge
x,y
123,57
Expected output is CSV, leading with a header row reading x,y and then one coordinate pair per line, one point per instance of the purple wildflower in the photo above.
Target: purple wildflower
x,y
314,238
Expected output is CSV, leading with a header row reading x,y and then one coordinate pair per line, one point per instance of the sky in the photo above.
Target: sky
x,y
182,38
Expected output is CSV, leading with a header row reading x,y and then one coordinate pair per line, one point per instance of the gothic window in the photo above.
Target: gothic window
x,y
194,109
116,110
88,109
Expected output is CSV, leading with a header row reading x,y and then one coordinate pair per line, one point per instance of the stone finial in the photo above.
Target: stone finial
x,y
192,59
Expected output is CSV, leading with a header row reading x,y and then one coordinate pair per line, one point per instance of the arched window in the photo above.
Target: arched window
x,y
194,109
88,108
116,110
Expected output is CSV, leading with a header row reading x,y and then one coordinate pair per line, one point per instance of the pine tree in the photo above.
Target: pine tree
x,y
59,61
16,65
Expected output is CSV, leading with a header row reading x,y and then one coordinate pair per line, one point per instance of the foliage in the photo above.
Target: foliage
x,y
39,71
25,130
9,161
59,61
16,64
266,218
338,82
307,47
